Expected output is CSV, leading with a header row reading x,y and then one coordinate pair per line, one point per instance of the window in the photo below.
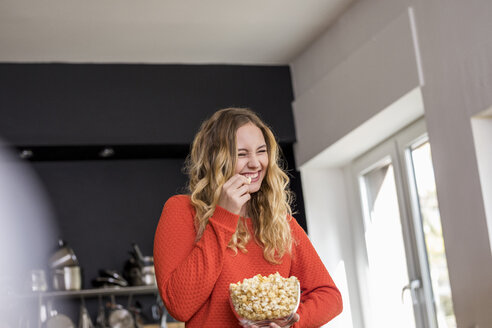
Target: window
x,y
405,273
427,212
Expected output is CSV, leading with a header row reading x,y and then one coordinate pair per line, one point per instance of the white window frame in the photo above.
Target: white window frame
x,y
396,148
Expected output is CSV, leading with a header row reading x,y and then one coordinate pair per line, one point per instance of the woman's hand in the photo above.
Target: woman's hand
x,y
234,193
287,324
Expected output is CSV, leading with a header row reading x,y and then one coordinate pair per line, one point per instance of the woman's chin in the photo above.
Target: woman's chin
x,y
253,189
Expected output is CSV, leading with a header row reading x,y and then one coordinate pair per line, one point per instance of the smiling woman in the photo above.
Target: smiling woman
x,y
235,223
252,156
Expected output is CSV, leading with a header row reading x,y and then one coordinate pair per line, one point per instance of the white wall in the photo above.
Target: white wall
x,y
329,228
374,47
355,90
482,136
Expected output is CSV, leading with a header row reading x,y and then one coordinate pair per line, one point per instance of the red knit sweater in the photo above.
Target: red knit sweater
x,y
194,277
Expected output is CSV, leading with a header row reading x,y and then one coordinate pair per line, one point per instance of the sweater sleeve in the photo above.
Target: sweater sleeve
x,y
186,270
321,300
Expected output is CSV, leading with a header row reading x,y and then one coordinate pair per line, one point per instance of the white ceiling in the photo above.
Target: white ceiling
x,y
264,32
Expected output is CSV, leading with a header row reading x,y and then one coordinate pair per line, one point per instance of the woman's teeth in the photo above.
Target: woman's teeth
x,y
252,176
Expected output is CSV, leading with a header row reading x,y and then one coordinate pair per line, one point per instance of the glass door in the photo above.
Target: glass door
x,y
389,261
388,269
405,272
427,228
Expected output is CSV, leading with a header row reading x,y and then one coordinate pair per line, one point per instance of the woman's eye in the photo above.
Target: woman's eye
x,y
242,155
262,151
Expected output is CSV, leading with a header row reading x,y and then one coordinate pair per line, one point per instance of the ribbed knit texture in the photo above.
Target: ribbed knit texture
x,y
194,277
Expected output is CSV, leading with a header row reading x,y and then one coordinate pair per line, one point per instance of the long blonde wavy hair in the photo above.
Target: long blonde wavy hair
x,y
211,163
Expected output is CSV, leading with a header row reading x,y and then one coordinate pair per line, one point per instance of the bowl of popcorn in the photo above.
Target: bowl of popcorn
x,y
261,300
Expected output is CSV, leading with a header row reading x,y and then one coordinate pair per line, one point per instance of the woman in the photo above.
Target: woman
x,y
235,223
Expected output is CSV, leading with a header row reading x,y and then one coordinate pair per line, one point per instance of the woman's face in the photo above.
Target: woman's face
x,y
252,155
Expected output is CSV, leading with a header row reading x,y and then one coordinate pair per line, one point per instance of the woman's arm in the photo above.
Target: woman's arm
x,y
186,270
321,300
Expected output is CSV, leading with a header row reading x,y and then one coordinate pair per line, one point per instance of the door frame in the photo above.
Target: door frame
x,y
394,149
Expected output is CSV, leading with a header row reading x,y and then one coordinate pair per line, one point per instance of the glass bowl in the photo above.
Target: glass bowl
x,y
266,323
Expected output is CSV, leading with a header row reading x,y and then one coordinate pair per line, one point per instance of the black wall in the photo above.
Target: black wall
x,y
53,104
66,113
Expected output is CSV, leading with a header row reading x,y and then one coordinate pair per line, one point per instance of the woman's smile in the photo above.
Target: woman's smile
x,y
253,175
252,155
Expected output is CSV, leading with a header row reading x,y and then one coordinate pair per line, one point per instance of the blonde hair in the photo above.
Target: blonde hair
x,y
211,163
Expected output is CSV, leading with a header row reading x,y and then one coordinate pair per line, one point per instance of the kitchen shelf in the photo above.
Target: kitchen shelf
x,y
94,292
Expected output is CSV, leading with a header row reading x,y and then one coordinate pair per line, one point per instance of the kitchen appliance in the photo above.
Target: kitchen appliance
x,y
63,256
101,315
65,270
109,278
38,281
59,321
139,270
119,317
148,271
67,278
84,317
55,319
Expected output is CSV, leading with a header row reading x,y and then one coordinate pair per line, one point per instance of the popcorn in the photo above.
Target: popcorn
x,y
265,298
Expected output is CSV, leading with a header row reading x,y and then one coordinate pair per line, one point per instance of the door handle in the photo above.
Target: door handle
x,y
412,287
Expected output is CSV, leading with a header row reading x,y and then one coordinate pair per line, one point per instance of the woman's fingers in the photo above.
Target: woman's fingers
x,y
247,325
237,187
234,193
294,319
237,192
243,190
244,198
238,180
288,324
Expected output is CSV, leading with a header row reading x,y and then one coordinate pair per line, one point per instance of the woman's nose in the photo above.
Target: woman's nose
x,y
253,161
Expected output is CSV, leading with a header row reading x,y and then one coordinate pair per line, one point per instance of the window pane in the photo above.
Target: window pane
x,y
434,243
385,249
